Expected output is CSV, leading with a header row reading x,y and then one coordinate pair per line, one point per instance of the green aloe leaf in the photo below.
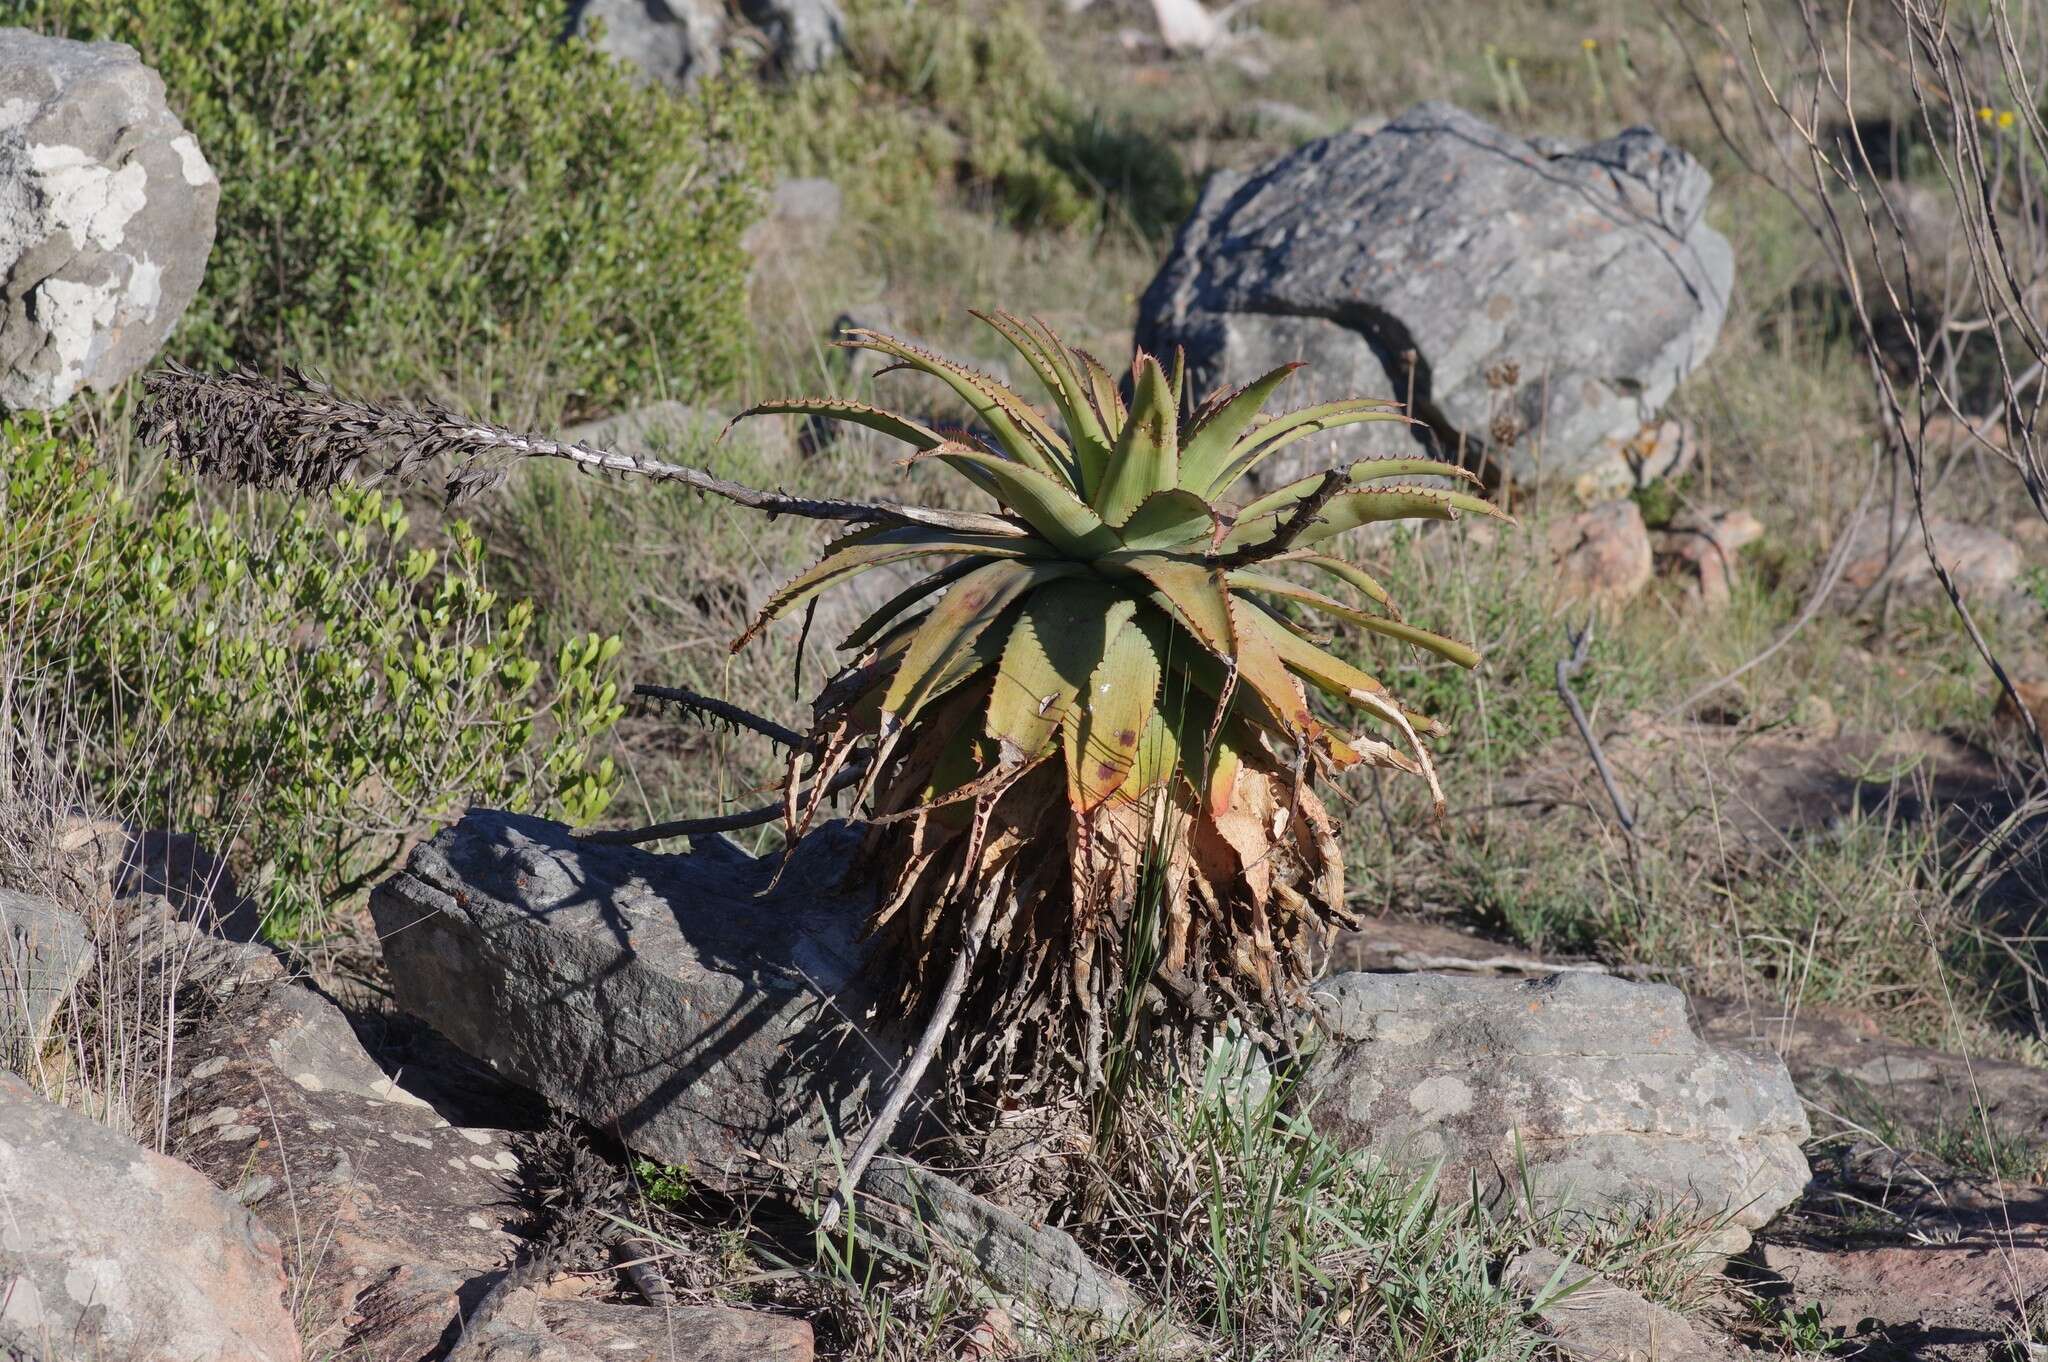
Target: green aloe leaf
x,y
855,413
951,628
1022,432
1344,571
1358,506
1463,654
1109,403
1261,442
1104,730
1047,505
1169,520
1361,473
1217,429
1054,647
1048,357
875,623
856,553
1147,457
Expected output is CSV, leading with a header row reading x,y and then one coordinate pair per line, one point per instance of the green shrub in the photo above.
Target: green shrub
x,y
447,192
315,695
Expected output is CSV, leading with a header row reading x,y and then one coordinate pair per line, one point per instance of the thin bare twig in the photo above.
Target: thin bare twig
x,y
1291,529
1568,666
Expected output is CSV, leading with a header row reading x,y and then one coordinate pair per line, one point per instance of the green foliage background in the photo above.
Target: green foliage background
x,y
443,191
310,692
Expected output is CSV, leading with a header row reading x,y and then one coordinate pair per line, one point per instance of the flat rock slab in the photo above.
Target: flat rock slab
x,y
281,1105
111,1250
44,952
1842,1061
409,1312
1538,304
1598,1085
678,1001
1921,1298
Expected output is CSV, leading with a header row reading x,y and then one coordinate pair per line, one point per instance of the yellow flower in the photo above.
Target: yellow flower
x,y
2005,120
1984,114
1589,43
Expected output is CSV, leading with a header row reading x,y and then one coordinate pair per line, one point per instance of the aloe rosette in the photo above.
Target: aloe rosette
x,y
1096,712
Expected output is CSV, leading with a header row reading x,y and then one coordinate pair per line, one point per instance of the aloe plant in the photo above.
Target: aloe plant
x,y
1111,674
1103,714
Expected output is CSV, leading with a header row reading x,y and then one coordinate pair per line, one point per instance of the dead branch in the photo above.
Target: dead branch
x,y
296,431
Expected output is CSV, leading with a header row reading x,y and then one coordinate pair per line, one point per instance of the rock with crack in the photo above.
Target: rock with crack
x,y
1590,1319
106,217
111,1250
44,952
1595,1087
1537,304
710,1010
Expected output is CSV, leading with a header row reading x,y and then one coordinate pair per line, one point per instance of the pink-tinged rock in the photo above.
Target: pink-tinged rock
x,y
1983,562
109,1250
1603,553
1701,550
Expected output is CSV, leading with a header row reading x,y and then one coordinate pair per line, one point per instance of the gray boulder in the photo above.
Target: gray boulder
x,y
1597,1085
106,217
44,952
1538,305
806,35
111,1250
673,42
705,1013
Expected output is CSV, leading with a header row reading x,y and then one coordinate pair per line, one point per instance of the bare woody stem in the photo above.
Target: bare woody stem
x,y
722,710
1292,528
297,431
914,1067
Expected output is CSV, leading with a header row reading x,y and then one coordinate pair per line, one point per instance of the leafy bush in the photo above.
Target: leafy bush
x,y
318,695
450,191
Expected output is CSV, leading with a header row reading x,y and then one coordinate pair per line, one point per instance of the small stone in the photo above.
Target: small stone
x,y
1983,562
1593,1320
1603,553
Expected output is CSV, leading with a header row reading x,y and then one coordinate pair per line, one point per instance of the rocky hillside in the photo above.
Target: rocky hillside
x,y
428,934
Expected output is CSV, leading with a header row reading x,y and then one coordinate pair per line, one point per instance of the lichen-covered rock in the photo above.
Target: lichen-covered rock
x,y
106,217
1537,304
705,1011
111,1250
1597,1085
